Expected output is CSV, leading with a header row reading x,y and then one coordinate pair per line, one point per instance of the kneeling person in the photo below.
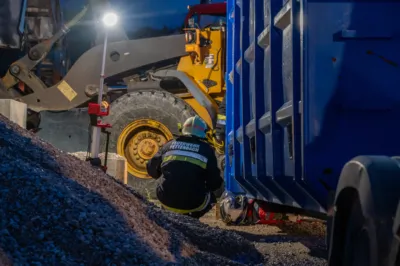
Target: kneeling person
x,y
187,167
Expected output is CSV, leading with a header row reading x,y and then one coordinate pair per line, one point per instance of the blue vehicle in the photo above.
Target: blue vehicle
x,y
312,111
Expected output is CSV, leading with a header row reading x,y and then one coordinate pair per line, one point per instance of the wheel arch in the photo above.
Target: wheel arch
x,y
374,181
204,100
203,105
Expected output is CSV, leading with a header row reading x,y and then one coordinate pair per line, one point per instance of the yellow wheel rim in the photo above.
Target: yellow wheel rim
x,y
139,142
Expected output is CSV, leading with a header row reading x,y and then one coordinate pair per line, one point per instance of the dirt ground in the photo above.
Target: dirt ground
x,y
288,244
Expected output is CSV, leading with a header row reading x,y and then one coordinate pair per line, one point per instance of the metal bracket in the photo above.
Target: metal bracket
x,y
26,76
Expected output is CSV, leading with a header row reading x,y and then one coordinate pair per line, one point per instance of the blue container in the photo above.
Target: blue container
x,y
313,84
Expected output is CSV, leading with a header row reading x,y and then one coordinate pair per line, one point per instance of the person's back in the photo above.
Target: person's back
x,y
188,171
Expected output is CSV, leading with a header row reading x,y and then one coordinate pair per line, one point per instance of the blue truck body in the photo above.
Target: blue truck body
x,y
312,84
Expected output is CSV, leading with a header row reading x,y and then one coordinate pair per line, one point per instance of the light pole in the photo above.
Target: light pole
x,y
109,20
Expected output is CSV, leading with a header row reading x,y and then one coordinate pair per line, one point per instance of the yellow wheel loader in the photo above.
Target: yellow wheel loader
x,y
168,79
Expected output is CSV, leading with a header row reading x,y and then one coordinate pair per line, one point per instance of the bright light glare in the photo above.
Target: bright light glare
x,y
110,19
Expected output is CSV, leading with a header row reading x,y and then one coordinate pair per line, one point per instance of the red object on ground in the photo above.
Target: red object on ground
x,y
267,217
258,213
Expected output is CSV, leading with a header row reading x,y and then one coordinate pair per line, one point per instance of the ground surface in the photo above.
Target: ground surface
x,y
58,210
291,244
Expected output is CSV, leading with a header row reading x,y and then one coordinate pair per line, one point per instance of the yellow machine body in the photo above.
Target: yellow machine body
x,y
205,65
204,62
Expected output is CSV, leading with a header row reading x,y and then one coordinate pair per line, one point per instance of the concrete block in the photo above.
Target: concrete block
x,y
117,165
68,131
15,111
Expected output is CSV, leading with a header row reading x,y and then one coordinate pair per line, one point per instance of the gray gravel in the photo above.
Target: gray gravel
x,y
58,210
291,244
289,251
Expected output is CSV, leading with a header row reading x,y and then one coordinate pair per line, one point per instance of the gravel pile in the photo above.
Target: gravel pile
x,y
58,210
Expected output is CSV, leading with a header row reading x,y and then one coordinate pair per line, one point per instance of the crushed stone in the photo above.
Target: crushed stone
x,y
56,209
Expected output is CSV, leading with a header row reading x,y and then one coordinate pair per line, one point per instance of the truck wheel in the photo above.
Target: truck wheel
x,y
365,204
394,257
142,121
357,249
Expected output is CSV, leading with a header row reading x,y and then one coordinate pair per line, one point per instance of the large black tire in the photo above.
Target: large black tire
x,y
157,105
363,245
366,202
357,249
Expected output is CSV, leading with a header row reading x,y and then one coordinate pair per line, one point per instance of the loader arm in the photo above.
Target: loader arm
x,y
82,81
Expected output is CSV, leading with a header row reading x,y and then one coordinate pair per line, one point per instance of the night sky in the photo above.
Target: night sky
x,y
134,15
145,13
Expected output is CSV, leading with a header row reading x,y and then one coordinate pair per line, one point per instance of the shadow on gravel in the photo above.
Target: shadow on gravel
x,y
315,244
48,219
228,244
4,260
310,234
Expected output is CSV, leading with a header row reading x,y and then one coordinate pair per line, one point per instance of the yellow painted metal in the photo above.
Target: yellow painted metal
x,y
195,48
199,109
141,139
203,71
67,90
202,112
139,142
197,66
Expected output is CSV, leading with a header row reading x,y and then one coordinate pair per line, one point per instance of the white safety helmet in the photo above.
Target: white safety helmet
x,y
233,209
194,126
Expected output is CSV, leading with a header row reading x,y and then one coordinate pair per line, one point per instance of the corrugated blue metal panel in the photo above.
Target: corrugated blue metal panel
x,y
313,86
233,54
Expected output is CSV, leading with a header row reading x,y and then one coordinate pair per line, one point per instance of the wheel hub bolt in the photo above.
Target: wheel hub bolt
x,y
15,69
